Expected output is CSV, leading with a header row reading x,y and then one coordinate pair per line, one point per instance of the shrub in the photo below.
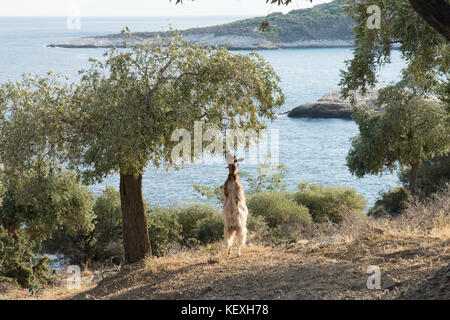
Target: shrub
x,y
257,224
430,215
277,208
268,177
200,221
18,263
432,177
43,204
102,244
329,202
391,203
191,224
210,229
108,227
164,229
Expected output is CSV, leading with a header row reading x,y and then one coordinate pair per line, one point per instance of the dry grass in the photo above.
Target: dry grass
x,y
328,262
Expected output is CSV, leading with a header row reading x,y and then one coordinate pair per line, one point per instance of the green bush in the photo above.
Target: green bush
x,y
20,271
200,221
19,264
190,224
210,229
277,207
257,224
164,229
329,202
391,203
100,245
432,177
108,227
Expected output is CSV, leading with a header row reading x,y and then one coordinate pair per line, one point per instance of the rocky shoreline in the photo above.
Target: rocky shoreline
x,y
333,106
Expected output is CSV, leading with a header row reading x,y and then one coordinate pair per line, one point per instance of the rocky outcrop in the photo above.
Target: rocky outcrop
x,y
333,106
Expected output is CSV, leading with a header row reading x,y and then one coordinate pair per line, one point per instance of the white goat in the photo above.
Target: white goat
x,y
234,209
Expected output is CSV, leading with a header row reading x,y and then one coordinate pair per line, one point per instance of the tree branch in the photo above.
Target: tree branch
x,y
436,13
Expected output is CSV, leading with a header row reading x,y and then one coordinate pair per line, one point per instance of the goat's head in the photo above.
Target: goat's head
x,y
233,163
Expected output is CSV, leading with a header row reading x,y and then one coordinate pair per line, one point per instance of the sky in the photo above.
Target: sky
x,y
114,8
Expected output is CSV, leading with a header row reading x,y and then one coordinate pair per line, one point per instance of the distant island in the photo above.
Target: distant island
x,y
324,25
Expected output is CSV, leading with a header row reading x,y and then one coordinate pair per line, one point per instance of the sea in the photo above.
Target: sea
x,y
313,150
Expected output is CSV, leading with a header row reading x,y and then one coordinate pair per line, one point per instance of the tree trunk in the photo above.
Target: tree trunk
x,y
436,13
11,229
136,240
413,179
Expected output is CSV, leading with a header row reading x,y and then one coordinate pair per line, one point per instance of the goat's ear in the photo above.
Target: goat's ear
x,y
240,159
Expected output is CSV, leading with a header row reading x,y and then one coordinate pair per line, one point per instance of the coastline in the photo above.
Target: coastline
x,y
232,43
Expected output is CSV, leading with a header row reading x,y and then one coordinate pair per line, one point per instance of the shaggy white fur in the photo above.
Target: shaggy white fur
x,y
234,211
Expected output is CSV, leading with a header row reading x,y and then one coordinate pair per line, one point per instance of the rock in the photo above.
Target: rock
x,y
333,106
387,283
208,288
212,261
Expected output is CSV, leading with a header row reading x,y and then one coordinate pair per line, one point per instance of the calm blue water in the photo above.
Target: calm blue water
x,y
312,150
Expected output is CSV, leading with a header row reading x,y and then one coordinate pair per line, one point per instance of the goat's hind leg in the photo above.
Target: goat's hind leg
x,y
241,239
229,239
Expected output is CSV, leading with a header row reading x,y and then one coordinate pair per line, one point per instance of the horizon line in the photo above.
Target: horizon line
x,y
147,16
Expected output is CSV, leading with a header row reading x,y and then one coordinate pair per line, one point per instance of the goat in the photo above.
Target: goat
x,y
234,209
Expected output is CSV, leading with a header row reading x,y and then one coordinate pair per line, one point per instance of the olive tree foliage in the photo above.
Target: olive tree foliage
x,y
98,245
38,194
410,130
122,114
425,50
47,202
129,105
32,133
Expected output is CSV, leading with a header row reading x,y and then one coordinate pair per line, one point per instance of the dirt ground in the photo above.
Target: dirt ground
x,y
411,252
302,270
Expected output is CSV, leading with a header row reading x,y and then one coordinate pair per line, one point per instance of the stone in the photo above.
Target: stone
x,y
333,106
388,283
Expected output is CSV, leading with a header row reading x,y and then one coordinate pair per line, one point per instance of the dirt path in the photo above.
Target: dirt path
x,y
295,271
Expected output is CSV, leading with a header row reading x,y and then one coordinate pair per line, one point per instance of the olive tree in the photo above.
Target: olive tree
x,y
425,51
411,129
43,203
129,105
38,194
